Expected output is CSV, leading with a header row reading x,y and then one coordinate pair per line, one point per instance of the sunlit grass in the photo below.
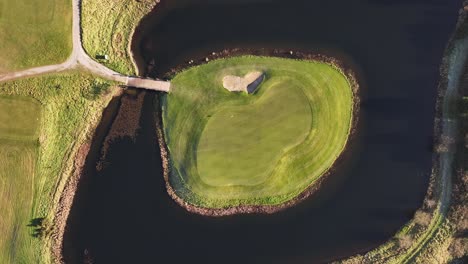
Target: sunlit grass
x,y
229,148
34,33
19,123
107,29
42,121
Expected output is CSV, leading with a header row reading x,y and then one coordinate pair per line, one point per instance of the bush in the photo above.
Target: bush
x,y
422,218
459,248
405,241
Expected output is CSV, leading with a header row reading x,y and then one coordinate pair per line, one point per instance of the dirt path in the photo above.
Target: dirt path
x,y
79,59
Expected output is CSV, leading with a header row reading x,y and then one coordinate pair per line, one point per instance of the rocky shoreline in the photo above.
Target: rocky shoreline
x,y
264,209
67,195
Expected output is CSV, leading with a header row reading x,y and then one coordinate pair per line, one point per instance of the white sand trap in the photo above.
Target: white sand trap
x,y
249,83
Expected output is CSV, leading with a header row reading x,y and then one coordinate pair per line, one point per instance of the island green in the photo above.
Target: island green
x,y
230,149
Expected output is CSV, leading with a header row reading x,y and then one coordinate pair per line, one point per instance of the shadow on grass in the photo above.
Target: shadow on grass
x,y
38,227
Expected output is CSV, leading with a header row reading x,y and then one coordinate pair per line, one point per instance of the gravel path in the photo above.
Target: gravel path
x,y
458,60
79,59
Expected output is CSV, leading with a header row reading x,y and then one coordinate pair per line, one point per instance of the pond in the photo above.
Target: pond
x,y
122,214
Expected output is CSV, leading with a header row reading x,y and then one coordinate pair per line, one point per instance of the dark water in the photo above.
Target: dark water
x,y
124,214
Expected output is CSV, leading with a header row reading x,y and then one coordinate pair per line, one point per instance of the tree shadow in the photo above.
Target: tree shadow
x,y
38,227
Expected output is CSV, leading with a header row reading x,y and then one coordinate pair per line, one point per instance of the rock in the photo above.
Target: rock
x,y
249,83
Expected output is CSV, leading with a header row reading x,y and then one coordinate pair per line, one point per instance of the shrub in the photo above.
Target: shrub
x,y
405,241
422,218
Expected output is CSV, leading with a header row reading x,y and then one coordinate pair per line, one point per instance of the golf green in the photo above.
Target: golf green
x,y
230,149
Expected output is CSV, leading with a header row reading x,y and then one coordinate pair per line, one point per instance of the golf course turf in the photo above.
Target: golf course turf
x,y
19,123
235,150
43,122
34,33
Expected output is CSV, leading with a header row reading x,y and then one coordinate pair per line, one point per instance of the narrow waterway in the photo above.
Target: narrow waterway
x,y
124,213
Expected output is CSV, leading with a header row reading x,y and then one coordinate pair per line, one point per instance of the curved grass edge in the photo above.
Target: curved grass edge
x,y
349,75
110,28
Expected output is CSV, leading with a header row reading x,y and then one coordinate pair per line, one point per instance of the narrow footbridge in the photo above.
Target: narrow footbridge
x,y
148,84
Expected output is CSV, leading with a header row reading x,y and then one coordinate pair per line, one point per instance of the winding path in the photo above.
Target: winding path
x,y
79,59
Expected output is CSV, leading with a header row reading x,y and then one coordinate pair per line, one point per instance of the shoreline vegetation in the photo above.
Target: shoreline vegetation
x,y
125,124
108,29
71,103
437,233
240,208
107,33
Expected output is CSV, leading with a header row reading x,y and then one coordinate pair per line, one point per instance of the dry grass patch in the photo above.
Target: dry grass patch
x,y
108,27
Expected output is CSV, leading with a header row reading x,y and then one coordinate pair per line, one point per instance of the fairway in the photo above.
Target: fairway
x,y
229,149
34,33
43,122
19,117
19,122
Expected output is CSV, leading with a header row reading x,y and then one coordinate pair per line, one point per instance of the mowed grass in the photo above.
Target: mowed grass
x,y
42,122
34,33
19,123
19,117
108,27
229,149
241,145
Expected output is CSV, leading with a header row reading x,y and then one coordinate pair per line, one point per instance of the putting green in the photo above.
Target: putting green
x,y
228,149
253,138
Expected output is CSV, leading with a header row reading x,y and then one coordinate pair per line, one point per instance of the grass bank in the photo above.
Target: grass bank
x,y
235,150
34,33
108,27
46,120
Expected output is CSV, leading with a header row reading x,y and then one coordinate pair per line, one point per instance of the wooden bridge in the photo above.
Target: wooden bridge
x,y
148,84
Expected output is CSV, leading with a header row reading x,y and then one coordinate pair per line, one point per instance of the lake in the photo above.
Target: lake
x,y
122,214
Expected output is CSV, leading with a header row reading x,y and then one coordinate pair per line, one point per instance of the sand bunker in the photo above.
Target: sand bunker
x,y
249,83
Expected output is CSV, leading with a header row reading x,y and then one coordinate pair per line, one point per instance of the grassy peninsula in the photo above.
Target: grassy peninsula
x,y
235,149
108,27
43,121
34,33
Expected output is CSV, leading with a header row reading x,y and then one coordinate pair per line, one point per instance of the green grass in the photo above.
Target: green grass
x,y
19,123
19,117
229,148
34,33
108,27
42,122
253,138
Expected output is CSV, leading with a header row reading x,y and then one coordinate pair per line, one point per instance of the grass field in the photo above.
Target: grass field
x,y
18,154
34,33
42,121
108,28
228,149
